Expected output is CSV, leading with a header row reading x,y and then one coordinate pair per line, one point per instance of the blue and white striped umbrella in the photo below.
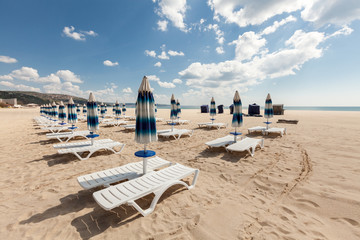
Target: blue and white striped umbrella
x,y
72,116
117,110
98,109
178,108
62,114
41,109
145,131
114,108
54,110
155,108
48,112
212,109
105,108
268,112
173,111
237,120
92,116
84,109
78,110
102,111
124,108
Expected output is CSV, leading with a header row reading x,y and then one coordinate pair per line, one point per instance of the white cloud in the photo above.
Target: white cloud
x,y
175,53
244,13
25,73
7,59
178,81
219,34
153,78
151,53
174,11
162,25
248,45
68,76
79,36
6,77
64,88
127,90
220,50
345,30
166,84
158,64
163,56
110,64
276,25
52,78
202,21
19,87
338,12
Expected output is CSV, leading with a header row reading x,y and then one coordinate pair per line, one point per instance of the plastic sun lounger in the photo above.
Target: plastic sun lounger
x,y
156,182
66,136
178,121
256,129
126,172
216,125
222,142
130,127
130,117
81,144
159,119
203,124
176,132
55,129
77,151
280,131
115,123
246,144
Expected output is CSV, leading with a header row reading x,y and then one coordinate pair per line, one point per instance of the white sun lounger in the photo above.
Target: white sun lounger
x,y
56,129
246,144
256,129
66,136
216,125
126,172
178,121
223,141
156,182
159,119
115,123
280,131
130,127
81,144
129,117
203,124
175,132
77,151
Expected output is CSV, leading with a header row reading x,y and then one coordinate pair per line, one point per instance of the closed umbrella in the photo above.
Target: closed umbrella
x,y
78,110
113,109
72,116
102,111
155,108
84,110
145,131
124,108
92,117
178,108
212,109
269,112
62,114
173,111
105,108
237,120
117,110
54,111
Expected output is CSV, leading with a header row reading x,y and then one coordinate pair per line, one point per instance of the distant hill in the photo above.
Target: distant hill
x,y
39,98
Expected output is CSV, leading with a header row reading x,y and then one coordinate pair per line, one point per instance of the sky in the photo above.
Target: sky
x,y
302,52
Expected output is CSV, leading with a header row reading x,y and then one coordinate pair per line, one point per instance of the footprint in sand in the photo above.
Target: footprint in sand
x,y
308,202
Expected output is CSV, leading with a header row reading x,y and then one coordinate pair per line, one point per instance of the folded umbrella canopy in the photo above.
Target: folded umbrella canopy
x,y
268,112
237,120
62,114
212,109
92,117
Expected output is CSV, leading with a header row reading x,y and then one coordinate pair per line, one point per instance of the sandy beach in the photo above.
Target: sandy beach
x,y
304,185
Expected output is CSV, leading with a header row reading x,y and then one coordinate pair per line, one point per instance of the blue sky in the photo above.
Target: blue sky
x,y
303,52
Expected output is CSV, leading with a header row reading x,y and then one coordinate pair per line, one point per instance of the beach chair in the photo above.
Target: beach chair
x,y
130,127
156,182
246,144
178,121
203,124
56,129
115,123
66,136
216,125
97,146
280,131
130,117
222,142
159,119
126,172
256,129
176,133
81,144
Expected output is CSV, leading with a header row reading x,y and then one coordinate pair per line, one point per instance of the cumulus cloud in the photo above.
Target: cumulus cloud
x,y
220,50
7,59
162,25
248,45
19,87
174,11
52,78
163,56
151,53
63,88
79,36
6,77
127,90
276,25
175,53
68,76
110,63
219,33
158,64
244,13
177,81
25,73
161,84
153,78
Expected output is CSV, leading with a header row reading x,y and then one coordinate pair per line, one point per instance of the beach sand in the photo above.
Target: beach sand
x,y
305,185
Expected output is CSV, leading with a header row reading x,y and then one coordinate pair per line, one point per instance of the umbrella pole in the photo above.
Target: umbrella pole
x,y
145,161
235,135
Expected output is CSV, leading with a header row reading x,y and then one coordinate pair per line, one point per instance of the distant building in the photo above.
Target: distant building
x,y
11,101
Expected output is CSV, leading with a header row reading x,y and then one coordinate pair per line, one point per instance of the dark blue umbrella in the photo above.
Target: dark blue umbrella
x,y
54,111
173,111
268,112
92,117
178,108
78,110
145,130
124,108
117,110
212,109
102,111
62,114
72,116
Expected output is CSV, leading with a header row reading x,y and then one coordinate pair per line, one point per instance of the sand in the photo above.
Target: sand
x,y
305,185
